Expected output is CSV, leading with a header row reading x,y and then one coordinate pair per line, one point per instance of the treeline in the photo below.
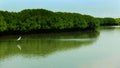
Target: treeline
x,y
118,20
41,19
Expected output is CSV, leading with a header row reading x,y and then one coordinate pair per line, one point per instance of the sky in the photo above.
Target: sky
x,y
96,8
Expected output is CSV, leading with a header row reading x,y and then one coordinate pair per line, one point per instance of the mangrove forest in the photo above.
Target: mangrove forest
x,y
42,20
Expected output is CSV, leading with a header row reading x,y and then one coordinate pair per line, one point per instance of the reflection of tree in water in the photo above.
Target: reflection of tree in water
x,y
44,44
110,27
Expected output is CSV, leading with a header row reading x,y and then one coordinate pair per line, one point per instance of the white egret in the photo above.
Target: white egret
x,y
19,38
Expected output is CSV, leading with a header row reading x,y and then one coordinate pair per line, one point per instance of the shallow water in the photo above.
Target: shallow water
x,y
63,50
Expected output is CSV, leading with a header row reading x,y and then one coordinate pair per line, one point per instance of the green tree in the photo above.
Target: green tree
x,y
3,25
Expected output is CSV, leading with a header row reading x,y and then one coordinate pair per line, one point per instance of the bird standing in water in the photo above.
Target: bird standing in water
x,y
18,46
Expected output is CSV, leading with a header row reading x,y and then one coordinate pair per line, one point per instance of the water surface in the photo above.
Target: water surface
x,y
62,50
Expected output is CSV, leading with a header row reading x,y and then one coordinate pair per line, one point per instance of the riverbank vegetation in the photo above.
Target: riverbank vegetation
x,y
41,20
118,20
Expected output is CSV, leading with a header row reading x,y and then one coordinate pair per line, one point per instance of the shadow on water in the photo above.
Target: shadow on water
x,y
44,44
109,27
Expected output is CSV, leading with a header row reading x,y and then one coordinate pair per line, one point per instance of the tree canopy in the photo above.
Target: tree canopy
x,y
42,19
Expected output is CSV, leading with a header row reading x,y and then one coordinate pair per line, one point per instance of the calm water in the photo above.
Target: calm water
x,y
65,50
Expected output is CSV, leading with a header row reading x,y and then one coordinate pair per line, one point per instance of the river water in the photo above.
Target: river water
x,y
62,50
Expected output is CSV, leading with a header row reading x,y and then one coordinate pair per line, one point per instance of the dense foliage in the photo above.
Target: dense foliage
x,y
41,19
107,21
117,20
